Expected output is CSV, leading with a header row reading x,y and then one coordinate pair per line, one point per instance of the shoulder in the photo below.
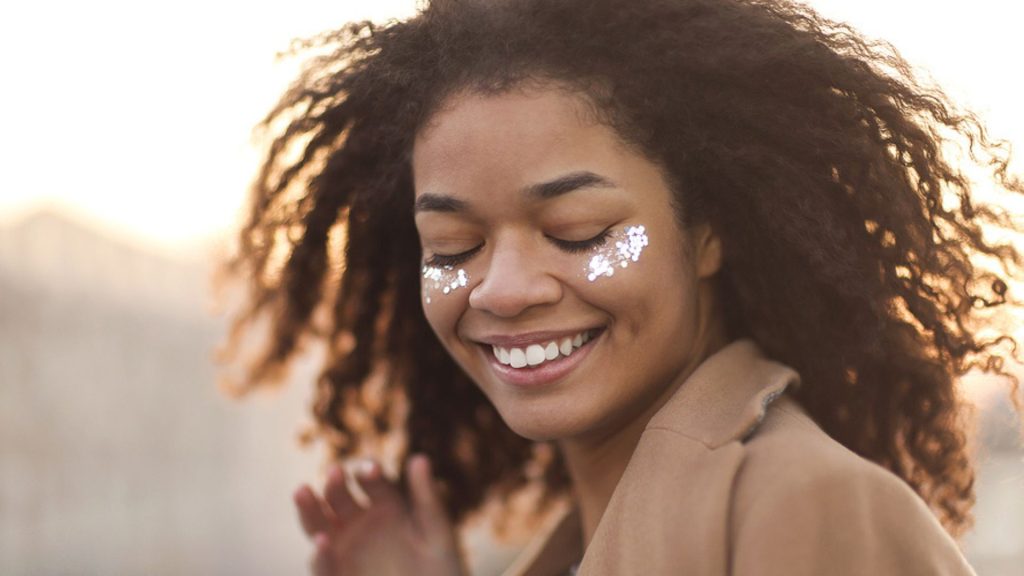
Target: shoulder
x,y
803,503
790,451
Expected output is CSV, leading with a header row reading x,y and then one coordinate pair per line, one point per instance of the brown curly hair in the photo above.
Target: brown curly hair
x,y
855,248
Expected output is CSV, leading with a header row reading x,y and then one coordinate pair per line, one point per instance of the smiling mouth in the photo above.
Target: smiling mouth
x,y
539,354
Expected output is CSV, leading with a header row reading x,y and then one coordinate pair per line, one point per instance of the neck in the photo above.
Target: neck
x,y
595,467
596,463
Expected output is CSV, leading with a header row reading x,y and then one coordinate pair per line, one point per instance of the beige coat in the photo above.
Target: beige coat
x,y
731,476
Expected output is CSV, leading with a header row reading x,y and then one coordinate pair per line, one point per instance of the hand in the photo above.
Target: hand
x,y
386,538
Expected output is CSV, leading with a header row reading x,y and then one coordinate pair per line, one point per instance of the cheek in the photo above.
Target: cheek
x,y
617,271
442,281
623,248
444,295
639,277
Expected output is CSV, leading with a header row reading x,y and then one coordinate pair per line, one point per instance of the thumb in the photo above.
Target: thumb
x,y
427,508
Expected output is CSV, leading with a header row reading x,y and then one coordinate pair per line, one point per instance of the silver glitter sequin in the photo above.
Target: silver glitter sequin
x,y
628,246
444,278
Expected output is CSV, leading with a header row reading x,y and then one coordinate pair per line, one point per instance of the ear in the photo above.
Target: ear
x,y
707,250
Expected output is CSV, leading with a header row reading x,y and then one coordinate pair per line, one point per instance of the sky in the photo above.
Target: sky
x,y
137,116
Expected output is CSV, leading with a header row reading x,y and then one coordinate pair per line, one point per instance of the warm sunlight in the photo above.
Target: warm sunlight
x,y
137,116
127,151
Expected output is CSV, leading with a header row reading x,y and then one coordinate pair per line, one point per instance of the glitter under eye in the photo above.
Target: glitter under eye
x,y
444,279
628,244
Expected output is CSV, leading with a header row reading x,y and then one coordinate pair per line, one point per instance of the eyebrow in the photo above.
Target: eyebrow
x,y
429,202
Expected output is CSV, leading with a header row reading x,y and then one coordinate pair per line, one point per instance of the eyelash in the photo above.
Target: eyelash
x,y
571,246
447,260
576,246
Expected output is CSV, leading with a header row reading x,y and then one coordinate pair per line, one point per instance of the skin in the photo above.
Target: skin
x,y
658,318
391,536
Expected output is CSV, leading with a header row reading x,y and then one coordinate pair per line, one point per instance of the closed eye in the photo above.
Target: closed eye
x,y
446,260
574,246
571,246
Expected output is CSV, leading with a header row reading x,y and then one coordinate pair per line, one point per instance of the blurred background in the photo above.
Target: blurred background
x,y
125,151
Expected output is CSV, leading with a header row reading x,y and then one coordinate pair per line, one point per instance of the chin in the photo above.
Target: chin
x,y
540,426
537,433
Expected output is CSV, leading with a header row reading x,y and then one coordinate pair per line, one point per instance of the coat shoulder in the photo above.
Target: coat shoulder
x,y
804,503
789,449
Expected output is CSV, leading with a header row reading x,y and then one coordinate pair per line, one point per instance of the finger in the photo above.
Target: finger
x,y
379,489
323,558
427,508
337,494
361,472
311,512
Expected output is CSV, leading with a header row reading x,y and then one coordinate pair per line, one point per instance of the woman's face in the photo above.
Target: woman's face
x,y
555,272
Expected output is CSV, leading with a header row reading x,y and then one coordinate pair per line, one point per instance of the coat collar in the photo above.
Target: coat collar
x,y
726,397
723,400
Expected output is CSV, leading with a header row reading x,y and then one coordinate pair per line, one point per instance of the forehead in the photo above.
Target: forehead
x,y
526,106
477,138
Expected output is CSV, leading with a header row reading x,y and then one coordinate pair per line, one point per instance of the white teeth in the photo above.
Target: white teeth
x,y
505,356
551,352
565,347
534,354
517,358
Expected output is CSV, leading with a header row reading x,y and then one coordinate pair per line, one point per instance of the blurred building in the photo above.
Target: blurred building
x,y
117,453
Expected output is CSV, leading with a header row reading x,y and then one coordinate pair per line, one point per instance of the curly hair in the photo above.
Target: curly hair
x,y
855,247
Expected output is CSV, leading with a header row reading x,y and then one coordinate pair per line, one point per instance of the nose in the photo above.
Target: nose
x,y
516,279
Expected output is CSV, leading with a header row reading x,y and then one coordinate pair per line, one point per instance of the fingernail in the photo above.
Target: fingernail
x,y
366,469
336,472
426,461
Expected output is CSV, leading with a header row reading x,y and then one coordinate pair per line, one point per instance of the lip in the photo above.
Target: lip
x,y
546,373
526,339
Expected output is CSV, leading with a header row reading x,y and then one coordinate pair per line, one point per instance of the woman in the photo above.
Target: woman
x,y
702,269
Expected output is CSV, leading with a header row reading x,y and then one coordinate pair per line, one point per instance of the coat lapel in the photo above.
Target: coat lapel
x,y
669,512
